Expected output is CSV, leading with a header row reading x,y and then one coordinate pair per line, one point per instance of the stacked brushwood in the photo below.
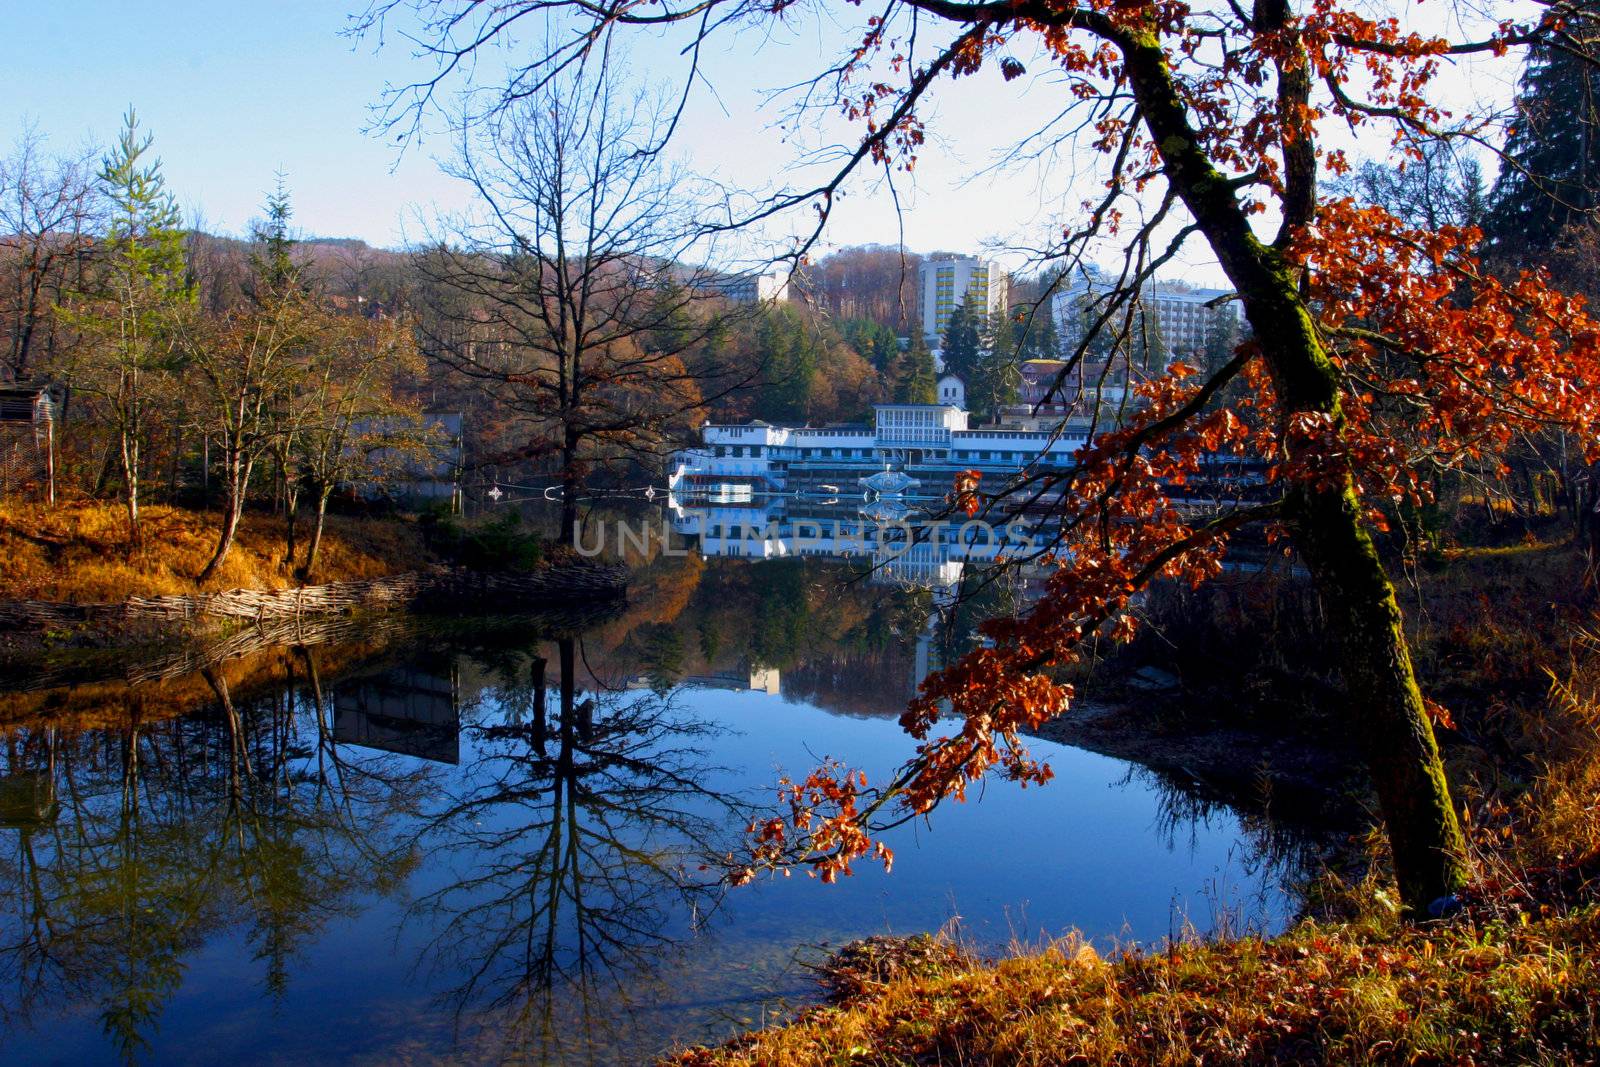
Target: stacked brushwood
x,y
439,589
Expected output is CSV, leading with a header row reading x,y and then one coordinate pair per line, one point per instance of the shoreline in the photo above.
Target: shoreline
x,y
33,632
1253,770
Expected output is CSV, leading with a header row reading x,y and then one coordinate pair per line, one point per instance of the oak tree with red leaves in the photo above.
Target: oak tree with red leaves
x,y
1381,353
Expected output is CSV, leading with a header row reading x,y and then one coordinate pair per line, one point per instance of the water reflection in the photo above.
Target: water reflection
x,y
408,710
141,841
579,826
482,838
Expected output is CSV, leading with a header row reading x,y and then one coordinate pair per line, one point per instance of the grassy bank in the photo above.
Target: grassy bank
x,y
78,552
1510,978
1499,990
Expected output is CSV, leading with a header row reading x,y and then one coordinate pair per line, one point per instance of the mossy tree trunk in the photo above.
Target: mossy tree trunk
x,y
1386,706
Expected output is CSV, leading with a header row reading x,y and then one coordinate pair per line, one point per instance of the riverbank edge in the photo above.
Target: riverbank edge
x,y
1496,984
1277,774
32,630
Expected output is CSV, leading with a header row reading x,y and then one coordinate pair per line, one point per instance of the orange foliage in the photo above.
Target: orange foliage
x,y
1431,363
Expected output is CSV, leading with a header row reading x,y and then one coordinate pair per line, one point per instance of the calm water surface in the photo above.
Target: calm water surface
x,y
380,850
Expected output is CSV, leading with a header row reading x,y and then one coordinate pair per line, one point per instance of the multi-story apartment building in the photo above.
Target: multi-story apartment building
x,y
753,287
943,284
1187,320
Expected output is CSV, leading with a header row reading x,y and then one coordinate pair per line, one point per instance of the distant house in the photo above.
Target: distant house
x,y
1052,393
952,390
423,464
753,287
27,442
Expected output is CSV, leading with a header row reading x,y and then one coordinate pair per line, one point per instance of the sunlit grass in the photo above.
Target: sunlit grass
x,y
1362,992
79,552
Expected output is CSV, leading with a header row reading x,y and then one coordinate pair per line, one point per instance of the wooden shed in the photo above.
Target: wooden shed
x,y
27,442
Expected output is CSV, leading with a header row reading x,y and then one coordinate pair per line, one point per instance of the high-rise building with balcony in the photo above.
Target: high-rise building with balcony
x,y
942,285
1188,320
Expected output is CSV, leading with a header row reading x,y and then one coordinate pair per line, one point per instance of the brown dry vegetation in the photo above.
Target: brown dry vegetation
x,y
1370,992
78,552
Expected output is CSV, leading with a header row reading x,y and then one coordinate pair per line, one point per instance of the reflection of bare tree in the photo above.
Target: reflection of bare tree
x,y
156,835
1290,834
581,828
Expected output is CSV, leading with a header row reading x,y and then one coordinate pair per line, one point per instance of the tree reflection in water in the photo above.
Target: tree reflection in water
x,y
539,847
126,848
578,831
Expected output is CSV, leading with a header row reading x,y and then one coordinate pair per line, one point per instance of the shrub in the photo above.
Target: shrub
x,y
500,544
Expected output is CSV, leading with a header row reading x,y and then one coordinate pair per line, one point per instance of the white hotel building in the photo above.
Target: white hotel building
x,y
1185,317
927,442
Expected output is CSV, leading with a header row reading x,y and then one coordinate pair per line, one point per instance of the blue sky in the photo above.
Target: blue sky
x,y
233,91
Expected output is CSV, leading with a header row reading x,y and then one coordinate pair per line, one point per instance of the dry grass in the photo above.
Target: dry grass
x,y
1551,822
78,552
1491,992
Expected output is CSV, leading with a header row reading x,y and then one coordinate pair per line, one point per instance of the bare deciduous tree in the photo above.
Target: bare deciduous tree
x,y
353,410
50,207
567,293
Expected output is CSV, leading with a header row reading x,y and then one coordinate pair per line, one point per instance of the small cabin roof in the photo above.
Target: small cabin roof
x,y
21,403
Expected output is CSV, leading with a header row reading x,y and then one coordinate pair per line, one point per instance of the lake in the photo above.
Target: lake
x,y
487,840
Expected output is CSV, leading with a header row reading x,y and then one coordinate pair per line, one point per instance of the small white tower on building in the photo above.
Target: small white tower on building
x,y
952,390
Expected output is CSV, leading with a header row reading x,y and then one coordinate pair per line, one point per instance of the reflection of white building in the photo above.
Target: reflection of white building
x,y
751,678
902,544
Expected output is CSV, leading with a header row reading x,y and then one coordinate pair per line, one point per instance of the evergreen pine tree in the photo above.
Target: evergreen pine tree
x,y
1222,337
128,322
885,349
274,269
996,379
790,363
1034,326
1551,177
963,339
873,342
917,382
